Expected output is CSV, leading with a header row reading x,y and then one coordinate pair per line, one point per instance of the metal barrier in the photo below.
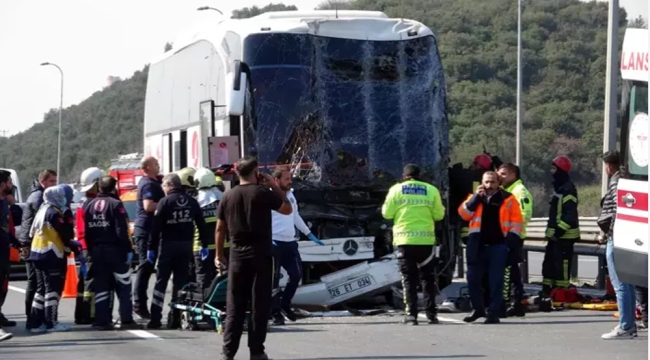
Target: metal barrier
x,y
536,242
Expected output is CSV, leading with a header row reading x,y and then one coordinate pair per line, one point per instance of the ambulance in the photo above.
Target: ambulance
x,y
631,226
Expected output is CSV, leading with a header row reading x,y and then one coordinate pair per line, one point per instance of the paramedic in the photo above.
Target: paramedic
x,y
562,230
511,182
46,178
415,206
85,306
208,197
149,193
495,222
625,295
245,214
171,239
107,240
286,253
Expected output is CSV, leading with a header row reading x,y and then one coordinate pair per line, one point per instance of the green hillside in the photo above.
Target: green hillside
x,y
564,75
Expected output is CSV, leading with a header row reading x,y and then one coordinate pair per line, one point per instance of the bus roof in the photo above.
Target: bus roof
x,y
634,57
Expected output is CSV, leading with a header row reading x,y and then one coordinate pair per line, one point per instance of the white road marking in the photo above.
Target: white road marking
x,y
443,319
144,334
17,289
140,333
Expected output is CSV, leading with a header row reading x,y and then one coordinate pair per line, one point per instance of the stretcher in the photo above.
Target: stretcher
x,y
195,309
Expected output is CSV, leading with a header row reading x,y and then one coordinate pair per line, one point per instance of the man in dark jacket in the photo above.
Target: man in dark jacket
x,y
34,201
562,229
6,240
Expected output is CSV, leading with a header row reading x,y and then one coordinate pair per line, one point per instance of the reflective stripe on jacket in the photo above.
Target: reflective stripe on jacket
x,y
519,191
509,216
563,220
414,206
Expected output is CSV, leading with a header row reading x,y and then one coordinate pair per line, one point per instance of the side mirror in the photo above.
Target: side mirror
x,y
237,94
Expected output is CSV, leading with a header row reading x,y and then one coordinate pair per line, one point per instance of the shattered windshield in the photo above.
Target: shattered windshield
x,y
348,113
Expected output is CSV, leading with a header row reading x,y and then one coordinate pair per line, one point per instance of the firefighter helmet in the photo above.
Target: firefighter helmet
x,y
563,163
89,178
484,161
187,176
204,178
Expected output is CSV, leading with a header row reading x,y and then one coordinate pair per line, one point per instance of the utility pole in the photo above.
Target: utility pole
x,y
58,152
611,93
519,90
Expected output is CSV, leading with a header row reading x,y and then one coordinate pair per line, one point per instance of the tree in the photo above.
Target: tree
x,y
335,5
638,23
168,46
249,12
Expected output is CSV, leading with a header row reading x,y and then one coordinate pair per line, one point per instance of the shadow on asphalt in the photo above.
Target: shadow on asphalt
x,y
396,357
279,329
396,323
567,322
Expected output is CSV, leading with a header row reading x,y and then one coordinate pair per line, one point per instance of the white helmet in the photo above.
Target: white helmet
x,y
89,178
204,178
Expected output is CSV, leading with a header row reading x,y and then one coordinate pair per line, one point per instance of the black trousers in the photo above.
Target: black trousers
x,y
143,273
111,271
205,270
512,282
249,280
642,298
418,265
4,278
175,259
46,299
30,289
556,267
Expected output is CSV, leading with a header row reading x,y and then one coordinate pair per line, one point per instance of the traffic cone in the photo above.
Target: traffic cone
x,y
71,279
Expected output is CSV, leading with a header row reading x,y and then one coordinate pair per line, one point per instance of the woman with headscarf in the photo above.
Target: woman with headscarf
x,y
52,233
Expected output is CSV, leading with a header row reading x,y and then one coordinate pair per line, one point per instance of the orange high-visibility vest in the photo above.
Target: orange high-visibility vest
x,y
509,216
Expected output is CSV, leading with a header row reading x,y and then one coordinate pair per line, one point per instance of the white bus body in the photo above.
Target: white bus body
x,y
631,225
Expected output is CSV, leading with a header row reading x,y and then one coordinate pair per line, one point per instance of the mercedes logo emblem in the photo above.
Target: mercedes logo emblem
x,y
350,247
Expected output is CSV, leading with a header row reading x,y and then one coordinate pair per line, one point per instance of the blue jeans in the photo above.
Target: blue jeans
x,y
490,260
625,295
286,254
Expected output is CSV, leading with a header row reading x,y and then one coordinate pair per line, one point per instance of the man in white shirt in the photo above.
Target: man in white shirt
x,y
285,250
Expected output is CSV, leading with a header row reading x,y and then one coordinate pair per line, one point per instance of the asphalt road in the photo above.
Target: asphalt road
x,y
570,334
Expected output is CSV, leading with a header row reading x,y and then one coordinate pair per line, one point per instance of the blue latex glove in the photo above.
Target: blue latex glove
x,y
76,244
83,269
313,238
204,253
150,256
129,257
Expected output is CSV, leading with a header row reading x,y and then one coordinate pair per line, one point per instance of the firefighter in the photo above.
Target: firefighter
x,y
415,206
187,180
511,182
562,230
84,312
107,241
208,197
172,236
495,222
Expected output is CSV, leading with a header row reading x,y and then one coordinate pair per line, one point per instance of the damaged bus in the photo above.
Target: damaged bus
x,y
342,98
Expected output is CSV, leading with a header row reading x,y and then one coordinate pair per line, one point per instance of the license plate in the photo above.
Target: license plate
x,y
349,286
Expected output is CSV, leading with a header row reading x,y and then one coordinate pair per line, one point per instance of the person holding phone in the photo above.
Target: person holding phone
x,y
495,226
245,214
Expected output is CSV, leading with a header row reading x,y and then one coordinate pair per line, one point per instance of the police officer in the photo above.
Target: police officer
x,y
208,197
108,243
415,206
172,235
562,230
511,182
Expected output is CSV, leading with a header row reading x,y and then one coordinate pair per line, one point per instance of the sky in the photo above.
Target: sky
x,y
92,40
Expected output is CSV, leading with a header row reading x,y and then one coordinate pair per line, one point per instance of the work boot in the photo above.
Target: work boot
x,y
517,309
410,320
473,316
289,314
492,319
142,314
103,327
131,325
5,335
4,322
154,325
277,319
261,356
433,319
